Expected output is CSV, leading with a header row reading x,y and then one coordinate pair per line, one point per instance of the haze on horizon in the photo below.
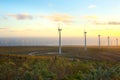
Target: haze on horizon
x,y
40,18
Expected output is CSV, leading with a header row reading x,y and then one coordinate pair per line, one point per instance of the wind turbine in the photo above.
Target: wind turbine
x,y
108,41
59,30
99,40
85,47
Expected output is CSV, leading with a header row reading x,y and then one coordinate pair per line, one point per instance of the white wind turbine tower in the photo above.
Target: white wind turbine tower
x,y
108,41
59,30
99,41
85,46
117,42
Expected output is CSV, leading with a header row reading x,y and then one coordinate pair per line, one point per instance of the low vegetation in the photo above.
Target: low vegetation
x,y
73,64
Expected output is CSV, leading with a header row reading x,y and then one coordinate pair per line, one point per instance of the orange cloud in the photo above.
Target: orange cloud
x,y
3,28
21,16
91,17
65,18
114,23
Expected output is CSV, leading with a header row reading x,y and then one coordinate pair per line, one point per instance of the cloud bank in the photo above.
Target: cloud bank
x,y
22,16
96,20
106,22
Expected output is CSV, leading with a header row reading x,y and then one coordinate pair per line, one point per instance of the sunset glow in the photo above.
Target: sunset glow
x,y
40,18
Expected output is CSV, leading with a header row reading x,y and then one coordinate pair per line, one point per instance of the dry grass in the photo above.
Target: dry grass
x,y
92,53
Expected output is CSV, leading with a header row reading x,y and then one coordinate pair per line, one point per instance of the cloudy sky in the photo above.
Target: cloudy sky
x,y
40,18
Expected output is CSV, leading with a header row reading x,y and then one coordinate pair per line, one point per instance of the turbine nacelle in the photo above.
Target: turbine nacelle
x,y
59,29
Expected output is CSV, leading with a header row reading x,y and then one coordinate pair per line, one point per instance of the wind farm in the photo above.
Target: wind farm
x,y
59,40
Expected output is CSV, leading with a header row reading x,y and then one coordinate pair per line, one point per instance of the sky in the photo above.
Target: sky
x,y
40,18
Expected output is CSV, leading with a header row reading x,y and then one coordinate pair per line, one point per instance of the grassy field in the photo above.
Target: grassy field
x,y
44,63
92,53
